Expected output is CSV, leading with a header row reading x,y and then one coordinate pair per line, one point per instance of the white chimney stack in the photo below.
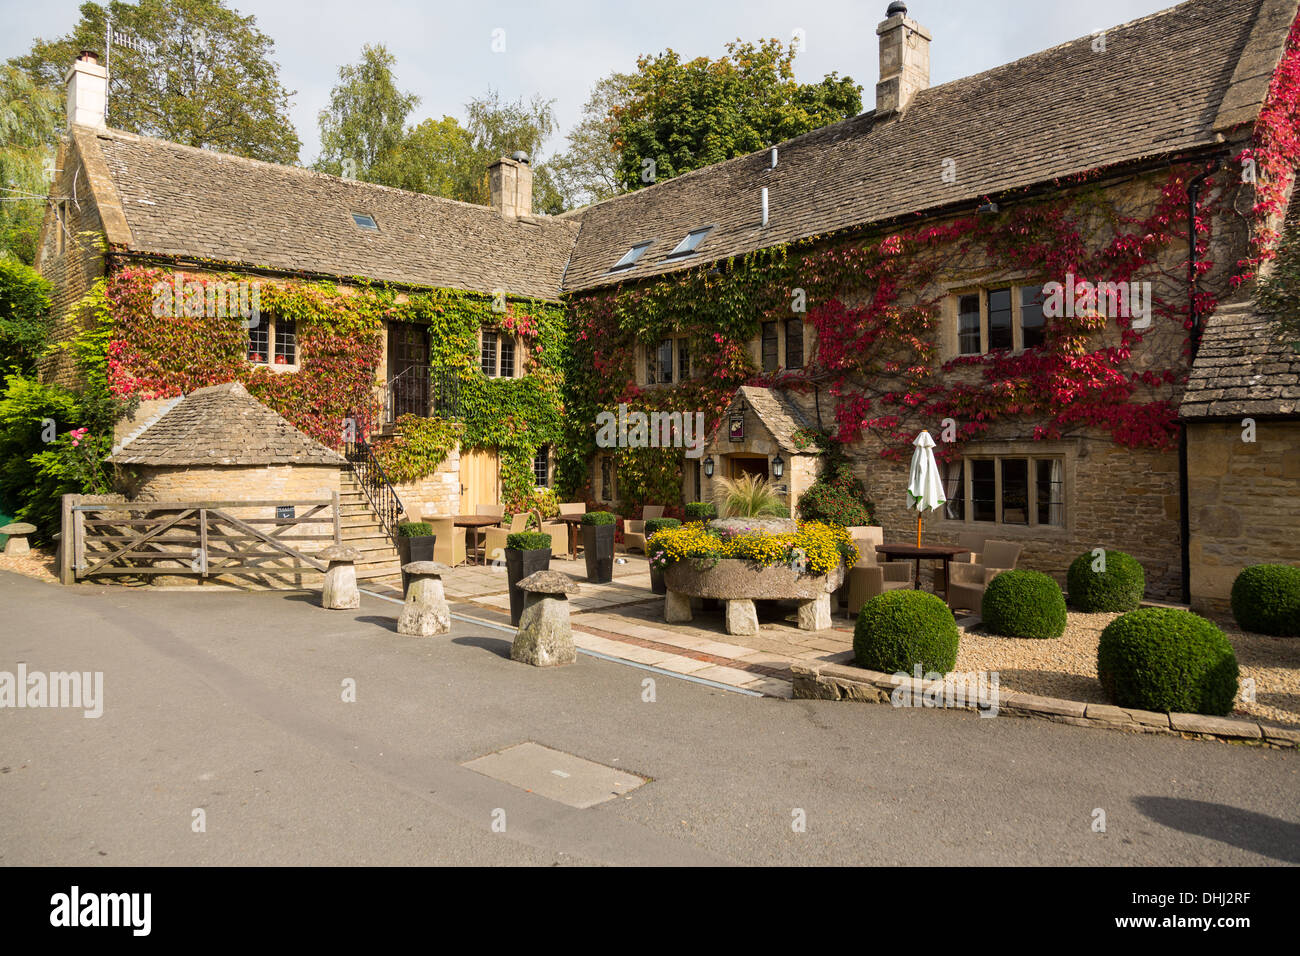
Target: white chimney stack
x,y
87,84
764,205
904,61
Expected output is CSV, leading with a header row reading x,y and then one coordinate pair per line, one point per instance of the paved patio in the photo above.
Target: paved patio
x,y
624,619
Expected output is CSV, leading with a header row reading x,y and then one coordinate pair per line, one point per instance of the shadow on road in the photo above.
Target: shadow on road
x,y
388,623
1244,829
497,646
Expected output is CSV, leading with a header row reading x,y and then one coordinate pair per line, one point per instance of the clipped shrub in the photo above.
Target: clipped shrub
x,y
1266,600
1165,659
1020,603
528,541
838,497
898,630
701,511
658,524
415,529
599,517
1118,588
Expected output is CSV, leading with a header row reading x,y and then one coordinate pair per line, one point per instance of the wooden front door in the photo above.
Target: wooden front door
x,y
408,370
480,479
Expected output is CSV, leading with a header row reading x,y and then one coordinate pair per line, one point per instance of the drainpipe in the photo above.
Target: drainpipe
x,y
1184,498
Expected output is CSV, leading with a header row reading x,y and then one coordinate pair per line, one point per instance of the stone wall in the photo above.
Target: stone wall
x,y
1245,503
435,494
68,258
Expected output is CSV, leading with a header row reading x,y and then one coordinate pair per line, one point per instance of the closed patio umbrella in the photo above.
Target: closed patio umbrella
x,y
925,484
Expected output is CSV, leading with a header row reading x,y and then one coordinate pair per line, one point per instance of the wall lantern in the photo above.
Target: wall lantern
x,y
778,466
708,467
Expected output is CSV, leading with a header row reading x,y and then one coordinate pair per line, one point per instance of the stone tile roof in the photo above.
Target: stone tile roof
x,y
197,204
222,425
1166,83
1243,368
778,413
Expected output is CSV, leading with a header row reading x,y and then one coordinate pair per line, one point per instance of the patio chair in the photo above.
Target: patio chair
x,y
869,577
573,508
449,541
494,539
967,582
973,542
634,531
559,532
491,511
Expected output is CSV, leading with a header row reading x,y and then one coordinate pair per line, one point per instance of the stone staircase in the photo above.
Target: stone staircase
x,y
360,528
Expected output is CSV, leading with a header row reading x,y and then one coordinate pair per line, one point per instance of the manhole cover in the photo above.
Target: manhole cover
x,y
555,775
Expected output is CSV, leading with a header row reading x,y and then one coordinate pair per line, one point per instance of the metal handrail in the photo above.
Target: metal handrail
x,y
373,480
436,388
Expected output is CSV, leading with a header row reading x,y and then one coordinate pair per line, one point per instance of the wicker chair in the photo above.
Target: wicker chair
x,y
494,543
973,542
449,541
491,511
572,508
634,531
869,578
967,581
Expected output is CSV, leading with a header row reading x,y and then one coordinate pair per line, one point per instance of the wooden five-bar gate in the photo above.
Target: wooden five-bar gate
x,y
198,539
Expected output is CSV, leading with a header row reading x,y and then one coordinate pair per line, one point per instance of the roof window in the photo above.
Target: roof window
x,y
692,241
365,221
631,256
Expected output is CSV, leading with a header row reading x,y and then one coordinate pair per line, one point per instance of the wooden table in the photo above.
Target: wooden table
x,y
911,551
474,522
573,521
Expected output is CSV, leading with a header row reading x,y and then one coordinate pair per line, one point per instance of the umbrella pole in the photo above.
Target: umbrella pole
x,y
918,529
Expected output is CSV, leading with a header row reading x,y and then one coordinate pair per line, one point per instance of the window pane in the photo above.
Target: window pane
x,y
683,360
507,357
954,486
1000,319
488,355
769,347
541,473
666,360
1015,491
286,342
794,343
968,325
257,342
1032,322
983,487
1051,485
606,479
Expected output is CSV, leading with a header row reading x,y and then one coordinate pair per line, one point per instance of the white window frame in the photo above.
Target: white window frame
x,y
648,351
268,321
516,366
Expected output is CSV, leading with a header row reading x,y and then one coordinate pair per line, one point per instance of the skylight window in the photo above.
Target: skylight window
x,y
631,256
691,242
365,221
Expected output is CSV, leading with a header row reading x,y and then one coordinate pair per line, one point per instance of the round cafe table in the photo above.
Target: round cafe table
x,y
918,554
474,523
574,522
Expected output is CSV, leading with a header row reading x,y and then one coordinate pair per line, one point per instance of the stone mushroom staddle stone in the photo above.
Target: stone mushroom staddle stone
x,y
425,612
339,592
545,638
18,532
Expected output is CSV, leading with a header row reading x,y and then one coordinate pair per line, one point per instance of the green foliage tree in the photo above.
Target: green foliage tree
x,y
684,115
499,128
30,116
587,171
206,78
24,315
436,157
365,122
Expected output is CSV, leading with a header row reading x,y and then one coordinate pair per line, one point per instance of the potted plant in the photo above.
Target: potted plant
x,y
526,552
598,545
655,555
414,543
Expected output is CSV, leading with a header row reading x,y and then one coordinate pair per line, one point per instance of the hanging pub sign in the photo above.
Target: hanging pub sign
x,y
736,427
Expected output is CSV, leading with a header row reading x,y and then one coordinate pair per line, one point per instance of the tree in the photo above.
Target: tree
x,y
204,76
30,116
365,123
436,157
683,115
588,171
24,315
499,129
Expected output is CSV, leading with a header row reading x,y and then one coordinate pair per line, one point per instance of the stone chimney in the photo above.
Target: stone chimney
x,y
904,61
511,183
87,84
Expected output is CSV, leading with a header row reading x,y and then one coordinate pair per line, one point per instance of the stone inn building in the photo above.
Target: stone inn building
x,y
1032,263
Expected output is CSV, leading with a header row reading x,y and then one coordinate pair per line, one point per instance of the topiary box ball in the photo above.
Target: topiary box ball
x,y
898,630
1167,660
1266,600
1021,603
1105,581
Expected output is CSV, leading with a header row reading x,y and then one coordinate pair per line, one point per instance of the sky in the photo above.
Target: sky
x,y
559,50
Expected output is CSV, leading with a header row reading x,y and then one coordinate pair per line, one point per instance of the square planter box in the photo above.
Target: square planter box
x,y
598,548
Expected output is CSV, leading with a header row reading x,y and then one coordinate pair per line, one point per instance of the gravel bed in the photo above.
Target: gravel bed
x,y
35,564
1067,667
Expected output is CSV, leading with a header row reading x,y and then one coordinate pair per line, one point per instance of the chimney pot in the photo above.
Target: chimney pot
x,y
510,181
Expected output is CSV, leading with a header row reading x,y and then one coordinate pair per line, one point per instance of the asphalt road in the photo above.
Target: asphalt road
x,y
232,703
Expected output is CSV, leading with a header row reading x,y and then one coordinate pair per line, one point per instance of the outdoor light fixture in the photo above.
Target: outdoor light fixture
x,y
989,209
708,467
778,466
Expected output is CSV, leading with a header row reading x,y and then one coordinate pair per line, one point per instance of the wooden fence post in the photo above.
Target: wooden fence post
x,y
67,542
338,523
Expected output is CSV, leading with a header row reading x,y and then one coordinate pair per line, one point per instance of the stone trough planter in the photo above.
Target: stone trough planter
x,y
740,582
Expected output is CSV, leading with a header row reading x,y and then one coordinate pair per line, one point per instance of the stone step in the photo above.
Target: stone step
x,y
369,542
